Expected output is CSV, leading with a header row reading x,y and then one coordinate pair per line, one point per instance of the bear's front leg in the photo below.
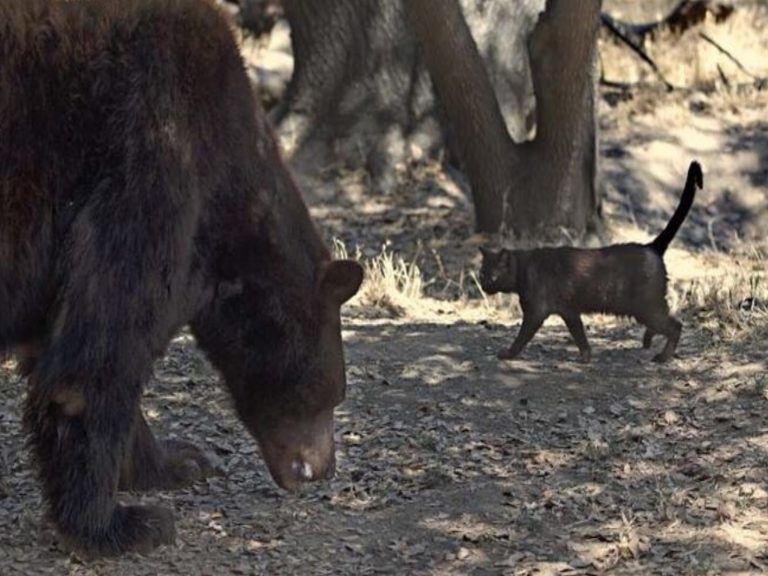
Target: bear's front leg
x,y
165,465
84,388
78,428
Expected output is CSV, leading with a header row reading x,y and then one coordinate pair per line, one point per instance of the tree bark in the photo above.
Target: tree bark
x,y
554,177
361,96
359,89
537,188
366,73
468,99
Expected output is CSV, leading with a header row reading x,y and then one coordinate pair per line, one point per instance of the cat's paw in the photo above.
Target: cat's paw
x,y
507,354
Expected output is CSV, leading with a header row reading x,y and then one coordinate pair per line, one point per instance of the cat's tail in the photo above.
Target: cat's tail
x,y
695,178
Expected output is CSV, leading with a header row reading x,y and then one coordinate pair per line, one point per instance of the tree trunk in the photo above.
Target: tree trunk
x,y
361,94
554,177
467,97
359,89
532,189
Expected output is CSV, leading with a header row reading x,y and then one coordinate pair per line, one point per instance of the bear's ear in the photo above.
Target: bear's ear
x,y
340,280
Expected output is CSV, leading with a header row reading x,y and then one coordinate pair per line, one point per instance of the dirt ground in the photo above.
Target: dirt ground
x,y
451,462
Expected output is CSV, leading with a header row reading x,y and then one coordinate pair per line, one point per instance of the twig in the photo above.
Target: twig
x,y
476,280
730,56
711,233
723,77
611,24
618,85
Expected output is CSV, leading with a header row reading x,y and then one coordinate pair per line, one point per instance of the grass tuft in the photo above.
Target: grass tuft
x,y
391,284
732,307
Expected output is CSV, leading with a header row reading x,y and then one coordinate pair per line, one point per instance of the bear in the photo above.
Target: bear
x,y
141,191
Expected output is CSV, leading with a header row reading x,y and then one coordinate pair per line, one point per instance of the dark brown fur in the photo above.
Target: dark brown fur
x,y
625,279
141,190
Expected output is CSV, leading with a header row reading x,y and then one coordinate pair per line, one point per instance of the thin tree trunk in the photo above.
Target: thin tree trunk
x,y
467,97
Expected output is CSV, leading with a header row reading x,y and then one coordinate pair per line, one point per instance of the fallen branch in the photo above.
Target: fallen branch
x,y
618,85
730,56
616,30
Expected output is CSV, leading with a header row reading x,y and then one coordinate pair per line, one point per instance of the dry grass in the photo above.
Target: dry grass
x,y
731,305
391,284
728,300
394,287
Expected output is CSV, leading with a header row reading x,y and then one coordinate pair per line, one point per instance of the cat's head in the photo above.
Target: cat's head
x,y
498,272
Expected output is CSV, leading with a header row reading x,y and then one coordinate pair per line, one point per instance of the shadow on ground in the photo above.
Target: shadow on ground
x,y
644,172
451,463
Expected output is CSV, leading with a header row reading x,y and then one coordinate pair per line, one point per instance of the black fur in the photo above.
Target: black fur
x,y
141,190
624,279
695,178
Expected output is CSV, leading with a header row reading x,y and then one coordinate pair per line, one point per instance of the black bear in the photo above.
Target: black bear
x,y
141,190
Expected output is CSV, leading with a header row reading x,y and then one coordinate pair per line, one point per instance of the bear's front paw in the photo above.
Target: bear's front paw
x,y
133,529
144,528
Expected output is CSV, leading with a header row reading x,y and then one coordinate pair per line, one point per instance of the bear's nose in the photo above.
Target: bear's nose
x,y
302,470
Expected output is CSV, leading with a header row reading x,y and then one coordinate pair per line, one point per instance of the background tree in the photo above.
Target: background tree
x,y
362,91
542,185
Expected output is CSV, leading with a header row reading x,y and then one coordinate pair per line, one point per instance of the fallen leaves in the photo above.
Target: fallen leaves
x,y
522,473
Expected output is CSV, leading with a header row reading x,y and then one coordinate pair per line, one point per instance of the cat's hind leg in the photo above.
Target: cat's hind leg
x,y
576,328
